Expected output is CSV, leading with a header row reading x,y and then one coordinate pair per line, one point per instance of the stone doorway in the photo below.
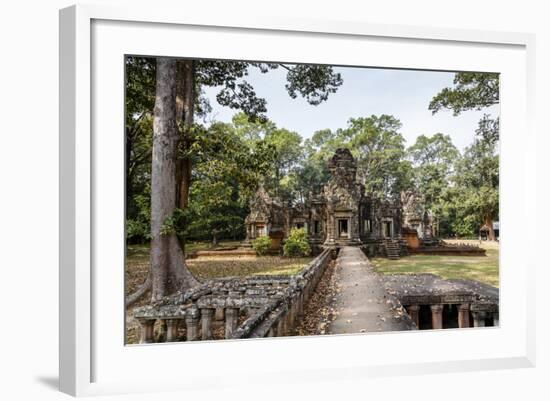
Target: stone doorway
x,y
387,229
343,228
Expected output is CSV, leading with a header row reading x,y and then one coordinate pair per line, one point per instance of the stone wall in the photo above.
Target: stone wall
x,y
262,306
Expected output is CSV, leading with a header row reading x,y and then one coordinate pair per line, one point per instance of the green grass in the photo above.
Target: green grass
x,y
479,268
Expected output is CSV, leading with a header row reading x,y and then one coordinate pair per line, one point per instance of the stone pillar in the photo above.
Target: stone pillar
x,y
413,313
147,333
479,319
496,320
231,321
293,310
300,305
171,330
437,316
281,330
192,318
463,316
289,324
206,319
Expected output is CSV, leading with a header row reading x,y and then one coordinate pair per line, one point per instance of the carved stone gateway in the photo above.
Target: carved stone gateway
x,y
343,198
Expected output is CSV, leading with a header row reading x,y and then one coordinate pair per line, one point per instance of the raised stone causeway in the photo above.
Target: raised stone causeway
x,y
364,303
270,306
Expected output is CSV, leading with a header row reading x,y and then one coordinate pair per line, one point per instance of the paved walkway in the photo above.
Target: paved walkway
x,y
363,303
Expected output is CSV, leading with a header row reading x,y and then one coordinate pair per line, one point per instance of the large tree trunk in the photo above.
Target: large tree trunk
x,y
168,269
488,221
185,110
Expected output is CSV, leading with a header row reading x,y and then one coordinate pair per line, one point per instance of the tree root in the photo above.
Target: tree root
x,y
140,292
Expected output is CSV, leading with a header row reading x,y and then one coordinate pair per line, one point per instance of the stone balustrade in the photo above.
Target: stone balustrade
x,y
270,306
470,312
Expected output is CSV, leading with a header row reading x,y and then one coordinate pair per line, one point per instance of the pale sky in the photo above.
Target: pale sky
x,y
405,94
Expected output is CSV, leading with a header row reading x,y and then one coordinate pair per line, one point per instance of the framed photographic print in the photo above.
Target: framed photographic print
x,y
241,194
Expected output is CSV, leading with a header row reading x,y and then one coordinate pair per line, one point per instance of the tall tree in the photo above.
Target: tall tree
x,y
478,196
227,173
187,78
433,159
168,269
380,152
477,178
313,82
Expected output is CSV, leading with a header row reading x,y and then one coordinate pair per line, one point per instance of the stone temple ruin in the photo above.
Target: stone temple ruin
x,y
343,225
343,215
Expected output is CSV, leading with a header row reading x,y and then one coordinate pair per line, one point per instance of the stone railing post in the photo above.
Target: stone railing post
x,y
437,316
192,318
171,329
463,316
414,314
147,334
206,319
231,321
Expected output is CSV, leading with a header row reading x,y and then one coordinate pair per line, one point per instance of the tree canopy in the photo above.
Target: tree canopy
x,y
472,91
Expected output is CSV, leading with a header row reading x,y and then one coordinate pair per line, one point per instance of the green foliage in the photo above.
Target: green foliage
x,y
174,224
138,226
227,171
274,147
472,91
472,199
285,153
296,244
378,147
433,159
313,82
261,244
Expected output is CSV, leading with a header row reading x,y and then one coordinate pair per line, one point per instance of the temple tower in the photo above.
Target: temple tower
x,y
343,197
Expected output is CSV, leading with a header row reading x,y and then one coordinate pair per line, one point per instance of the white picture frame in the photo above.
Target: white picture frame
x,y
93,39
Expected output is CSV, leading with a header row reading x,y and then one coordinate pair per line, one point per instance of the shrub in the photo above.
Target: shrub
x,y
297,244
261,244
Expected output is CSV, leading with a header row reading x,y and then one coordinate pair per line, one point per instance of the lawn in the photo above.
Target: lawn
x,y
205,267
479,268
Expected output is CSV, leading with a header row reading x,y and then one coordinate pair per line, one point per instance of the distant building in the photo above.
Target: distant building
x,y
484,231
